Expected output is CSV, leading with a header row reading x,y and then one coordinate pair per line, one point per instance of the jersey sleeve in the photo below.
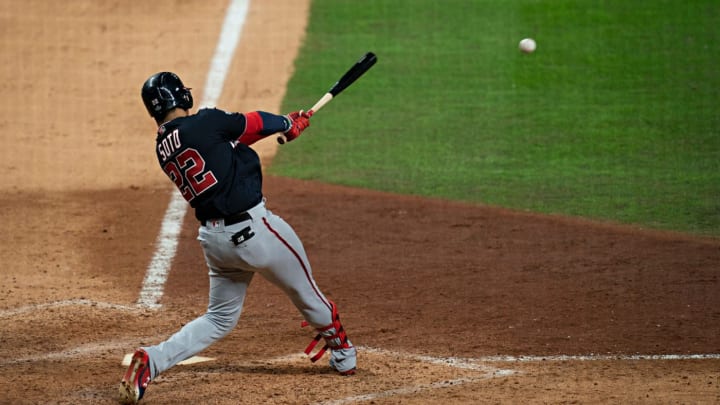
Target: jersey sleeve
x,y
231,125
250,127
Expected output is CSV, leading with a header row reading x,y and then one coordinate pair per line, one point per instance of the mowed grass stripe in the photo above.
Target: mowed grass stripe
x,y
614,117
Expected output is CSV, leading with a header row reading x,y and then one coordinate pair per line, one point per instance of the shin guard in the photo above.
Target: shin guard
x,y
333,334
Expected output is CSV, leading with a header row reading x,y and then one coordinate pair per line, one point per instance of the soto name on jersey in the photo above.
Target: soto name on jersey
x,y
169,145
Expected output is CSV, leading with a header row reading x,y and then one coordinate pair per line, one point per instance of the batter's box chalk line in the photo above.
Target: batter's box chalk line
x,y
81,302
483,372
86,350
455,362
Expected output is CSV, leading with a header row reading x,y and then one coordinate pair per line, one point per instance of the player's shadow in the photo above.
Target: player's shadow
x,y
270,369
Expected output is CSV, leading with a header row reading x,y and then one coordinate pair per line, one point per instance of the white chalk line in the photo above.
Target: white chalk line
x,y
167,240
475,362
414,389
597,357
486,373
456,362
66,303
453,362
166,246
86,350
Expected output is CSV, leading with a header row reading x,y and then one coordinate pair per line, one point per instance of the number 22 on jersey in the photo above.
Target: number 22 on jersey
x,y
186,169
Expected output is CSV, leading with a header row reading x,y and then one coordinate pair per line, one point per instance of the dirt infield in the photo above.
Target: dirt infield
x,y
450,303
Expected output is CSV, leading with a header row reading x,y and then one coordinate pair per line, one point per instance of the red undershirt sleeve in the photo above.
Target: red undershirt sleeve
x,y
259,124
253,126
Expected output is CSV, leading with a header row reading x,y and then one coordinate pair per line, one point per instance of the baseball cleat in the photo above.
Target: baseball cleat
x,y
136,378
347,373
344,361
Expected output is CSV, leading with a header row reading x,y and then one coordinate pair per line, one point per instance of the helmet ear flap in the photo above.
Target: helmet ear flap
x,y
187,98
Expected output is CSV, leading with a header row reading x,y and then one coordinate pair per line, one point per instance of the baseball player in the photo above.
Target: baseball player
x,y
207,156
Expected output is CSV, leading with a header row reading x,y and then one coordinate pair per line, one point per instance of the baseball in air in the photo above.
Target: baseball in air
x,y
527,45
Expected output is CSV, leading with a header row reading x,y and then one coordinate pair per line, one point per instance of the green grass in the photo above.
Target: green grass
x,y
616,116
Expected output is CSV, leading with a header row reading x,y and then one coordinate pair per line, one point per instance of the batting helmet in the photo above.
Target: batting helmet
x,y
164,91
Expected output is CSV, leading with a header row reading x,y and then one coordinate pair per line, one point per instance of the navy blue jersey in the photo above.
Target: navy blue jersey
x,y
217,175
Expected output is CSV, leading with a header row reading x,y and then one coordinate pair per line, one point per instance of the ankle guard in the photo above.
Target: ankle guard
x,y
334,335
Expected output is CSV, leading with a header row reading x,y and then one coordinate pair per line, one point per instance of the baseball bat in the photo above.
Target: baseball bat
x,y
355,71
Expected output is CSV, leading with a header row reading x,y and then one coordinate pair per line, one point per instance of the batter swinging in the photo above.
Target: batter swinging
x,y
207,156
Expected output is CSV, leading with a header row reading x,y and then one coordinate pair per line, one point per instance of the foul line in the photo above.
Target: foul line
x,y
475,363
166,246
167,240
597,357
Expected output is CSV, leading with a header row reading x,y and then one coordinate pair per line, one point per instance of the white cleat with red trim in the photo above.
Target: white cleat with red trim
x,y
344,360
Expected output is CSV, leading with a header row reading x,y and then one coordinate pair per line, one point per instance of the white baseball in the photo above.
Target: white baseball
x,y
527,45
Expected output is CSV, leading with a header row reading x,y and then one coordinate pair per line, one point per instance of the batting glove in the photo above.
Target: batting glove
x,y
299,121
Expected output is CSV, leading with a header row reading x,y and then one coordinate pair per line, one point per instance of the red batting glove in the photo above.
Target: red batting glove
x,y
299,121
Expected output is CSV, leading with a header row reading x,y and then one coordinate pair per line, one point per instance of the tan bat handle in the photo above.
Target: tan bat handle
x,y
281,139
